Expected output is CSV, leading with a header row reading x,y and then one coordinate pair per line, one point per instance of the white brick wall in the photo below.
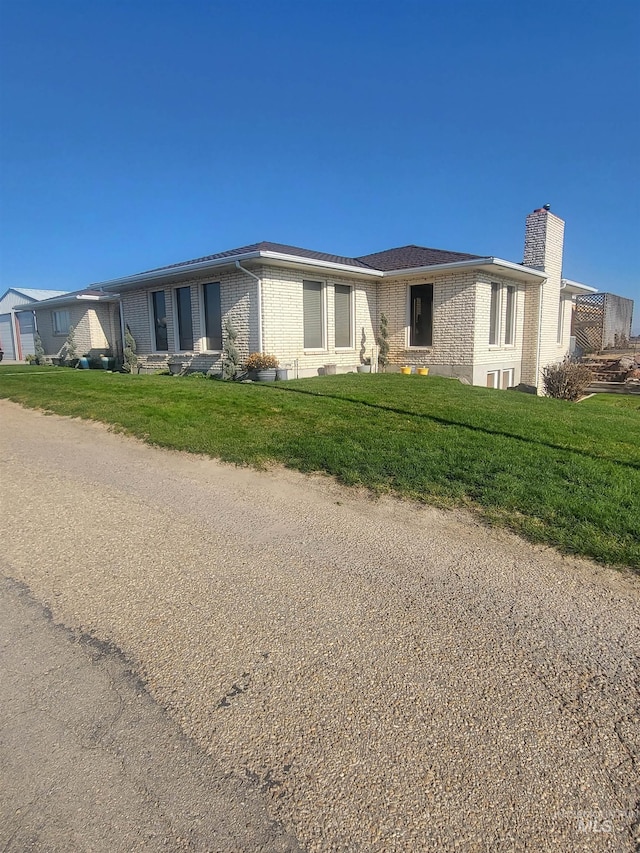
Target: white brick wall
x,y
96,327
238,297
282,319
500,356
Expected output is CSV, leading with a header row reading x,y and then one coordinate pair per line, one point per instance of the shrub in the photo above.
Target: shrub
x,y
130,357
566,380
230,352
69,351
261,361
383,342
39,356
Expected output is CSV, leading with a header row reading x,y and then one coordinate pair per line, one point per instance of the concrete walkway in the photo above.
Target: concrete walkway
x,y
90,762
384,677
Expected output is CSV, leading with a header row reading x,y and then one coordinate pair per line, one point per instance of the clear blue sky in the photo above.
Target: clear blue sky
x,y
137,133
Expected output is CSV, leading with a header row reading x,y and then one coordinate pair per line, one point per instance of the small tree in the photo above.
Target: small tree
x,y
39,356
130,348
383,342
70,352
566,380
231,354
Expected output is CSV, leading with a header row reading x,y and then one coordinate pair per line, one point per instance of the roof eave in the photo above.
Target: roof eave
x,y
297,260
576,288
142,279
70,299
512,269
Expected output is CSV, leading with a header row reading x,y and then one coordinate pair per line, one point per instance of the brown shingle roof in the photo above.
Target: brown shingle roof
x,y
266,246
409,257
404,257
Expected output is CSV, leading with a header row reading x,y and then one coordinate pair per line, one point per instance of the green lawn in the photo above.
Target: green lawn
x,y
564,474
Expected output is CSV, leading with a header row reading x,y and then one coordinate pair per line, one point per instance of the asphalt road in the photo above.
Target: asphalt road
x,y
362,675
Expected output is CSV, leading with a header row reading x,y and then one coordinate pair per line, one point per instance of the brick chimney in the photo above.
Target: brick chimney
x,y
543,246
544,242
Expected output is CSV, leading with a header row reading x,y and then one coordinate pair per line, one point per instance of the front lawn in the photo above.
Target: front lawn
x,y
559,473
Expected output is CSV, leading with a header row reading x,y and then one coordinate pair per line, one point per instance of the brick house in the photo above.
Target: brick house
x,y
479,318
94,315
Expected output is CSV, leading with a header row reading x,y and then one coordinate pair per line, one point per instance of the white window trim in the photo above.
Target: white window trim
x,y
496,379
512,345
152,324
323,325
498,342
56,329
352,329
203,325
510,372
176,323
407,328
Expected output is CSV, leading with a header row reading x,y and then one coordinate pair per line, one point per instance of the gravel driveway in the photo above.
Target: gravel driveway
x,y
388,677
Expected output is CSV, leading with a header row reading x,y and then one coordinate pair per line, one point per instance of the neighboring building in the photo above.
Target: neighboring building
x,y
479,318
17,326
602,321
94,316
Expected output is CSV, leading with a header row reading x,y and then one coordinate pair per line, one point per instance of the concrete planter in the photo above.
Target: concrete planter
x,y
267,374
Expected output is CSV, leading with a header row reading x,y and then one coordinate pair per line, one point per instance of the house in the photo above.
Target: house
x,y
479,318
94,315
17,326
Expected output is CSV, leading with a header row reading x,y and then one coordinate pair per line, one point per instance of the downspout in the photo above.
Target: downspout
x,y
16,335
259,280
122,330
539,337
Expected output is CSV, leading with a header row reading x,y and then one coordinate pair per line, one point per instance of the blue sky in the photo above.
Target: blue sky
x,y
139,133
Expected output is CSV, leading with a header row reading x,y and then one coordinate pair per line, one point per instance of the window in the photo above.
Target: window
x,y
493,379
159,304
61,322
342,305
185,324
494,315
421,315
510,319
507,378
313,314
212,316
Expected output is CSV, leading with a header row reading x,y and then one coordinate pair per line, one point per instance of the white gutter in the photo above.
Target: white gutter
x,y
154,275
476,263
71,299
259,280
575,287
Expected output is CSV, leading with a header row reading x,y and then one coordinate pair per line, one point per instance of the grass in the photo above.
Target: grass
x,y
563,474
